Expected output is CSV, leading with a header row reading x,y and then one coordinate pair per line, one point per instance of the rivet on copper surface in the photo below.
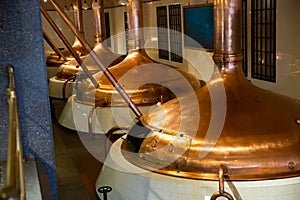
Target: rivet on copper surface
x,y
171,148
153,143
291,165
298,121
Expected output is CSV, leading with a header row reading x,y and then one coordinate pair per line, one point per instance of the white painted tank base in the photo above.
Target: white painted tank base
x,y
75,116
129,182
55,87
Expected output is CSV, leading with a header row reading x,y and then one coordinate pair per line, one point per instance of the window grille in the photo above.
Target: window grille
x,y
107,29
175,33
244,37
169,32
162,24
263,38
126,29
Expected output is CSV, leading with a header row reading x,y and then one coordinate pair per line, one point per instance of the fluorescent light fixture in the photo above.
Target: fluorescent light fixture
x,y
123,2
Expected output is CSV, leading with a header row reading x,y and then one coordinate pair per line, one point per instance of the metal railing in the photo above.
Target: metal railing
x,y
15,183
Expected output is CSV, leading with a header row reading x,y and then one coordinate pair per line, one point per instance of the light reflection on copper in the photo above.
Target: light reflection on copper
x,y
259,138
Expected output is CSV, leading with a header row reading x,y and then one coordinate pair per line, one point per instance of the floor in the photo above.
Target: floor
x,y
77,169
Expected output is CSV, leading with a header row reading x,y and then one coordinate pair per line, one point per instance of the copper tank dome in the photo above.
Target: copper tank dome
x,y
259,133
145,80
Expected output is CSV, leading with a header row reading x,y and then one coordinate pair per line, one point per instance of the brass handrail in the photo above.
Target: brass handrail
x,y
15,183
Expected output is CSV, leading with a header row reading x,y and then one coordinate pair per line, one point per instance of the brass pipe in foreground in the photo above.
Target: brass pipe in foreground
x,y
51,44
15,183
106,72
64,39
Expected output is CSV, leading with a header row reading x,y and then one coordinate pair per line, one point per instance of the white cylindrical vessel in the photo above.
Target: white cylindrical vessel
x,y
76,115
129,182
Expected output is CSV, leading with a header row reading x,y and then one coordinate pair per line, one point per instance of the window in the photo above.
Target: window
x,y
162,24
169,42
198,23
263,39
175,34
107,28
244,37
126,29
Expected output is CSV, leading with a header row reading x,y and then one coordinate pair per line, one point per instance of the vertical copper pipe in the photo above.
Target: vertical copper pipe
x,y
78,22
106,72
99,26
64,39
59,33
227,32
51,44
135,25
78,19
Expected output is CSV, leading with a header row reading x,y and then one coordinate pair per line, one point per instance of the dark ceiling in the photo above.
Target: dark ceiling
x,y
107,3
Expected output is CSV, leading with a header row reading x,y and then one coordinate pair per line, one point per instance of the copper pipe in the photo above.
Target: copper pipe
x,y
227,31
51,44
15,182
255,134
64,39
106,72
60,34
99,26
90,119
109,134
221,192
135,25
72,78
78,19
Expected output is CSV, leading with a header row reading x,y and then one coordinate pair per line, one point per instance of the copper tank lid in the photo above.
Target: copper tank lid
x,y
71,68
53,60
147,82
229,122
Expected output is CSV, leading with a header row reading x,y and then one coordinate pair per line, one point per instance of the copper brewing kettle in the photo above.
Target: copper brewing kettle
x,y
146,81
71,68
57,60
251,132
